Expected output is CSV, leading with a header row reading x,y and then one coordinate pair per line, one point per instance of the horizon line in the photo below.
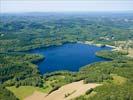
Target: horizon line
x,y
123,11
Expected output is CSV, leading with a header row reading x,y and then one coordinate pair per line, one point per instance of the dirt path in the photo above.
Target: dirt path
x,y
66,92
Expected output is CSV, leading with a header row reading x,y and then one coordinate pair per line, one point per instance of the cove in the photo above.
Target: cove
x,y
69,57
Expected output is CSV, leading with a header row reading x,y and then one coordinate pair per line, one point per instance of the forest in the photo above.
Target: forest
x,y
20,33
29,31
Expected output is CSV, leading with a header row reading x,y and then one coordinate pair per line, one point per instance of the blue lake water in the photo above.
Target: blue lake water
x,y
69,56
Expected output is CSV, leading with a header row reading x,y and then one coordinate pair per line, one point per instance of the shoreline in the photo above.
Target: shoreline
x,y
114,48
98,45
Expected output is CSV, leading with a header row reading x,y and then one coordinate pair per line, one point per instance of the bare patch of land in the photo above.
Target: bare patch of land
x,y
66,92
36,96
130,52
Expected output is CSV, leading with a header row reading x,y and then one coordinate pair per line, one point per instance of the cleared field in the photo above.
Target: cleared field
x,y
24,91
66,92
119,80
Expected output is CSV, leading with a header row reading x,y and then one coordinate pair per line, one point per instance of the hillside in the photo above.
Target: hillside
x,y
21,33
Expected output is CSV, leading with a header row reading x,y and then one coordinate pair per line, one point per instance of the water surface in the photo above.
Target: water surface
x,y
70,57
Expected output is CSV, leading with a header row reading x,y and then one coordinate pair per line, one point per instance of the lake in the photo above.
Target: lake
x,y
69,56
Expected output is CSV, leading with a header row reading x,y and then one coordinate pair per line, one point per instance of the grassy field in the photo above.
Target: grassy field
x,y
24,91
118,79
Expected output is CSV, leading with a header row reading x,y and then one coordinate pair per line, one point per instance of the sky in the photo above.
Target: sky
x,y
18,6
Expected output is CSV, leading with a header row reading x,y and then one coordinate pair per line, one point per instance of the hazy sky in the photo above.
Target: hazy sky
x,y
64,5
